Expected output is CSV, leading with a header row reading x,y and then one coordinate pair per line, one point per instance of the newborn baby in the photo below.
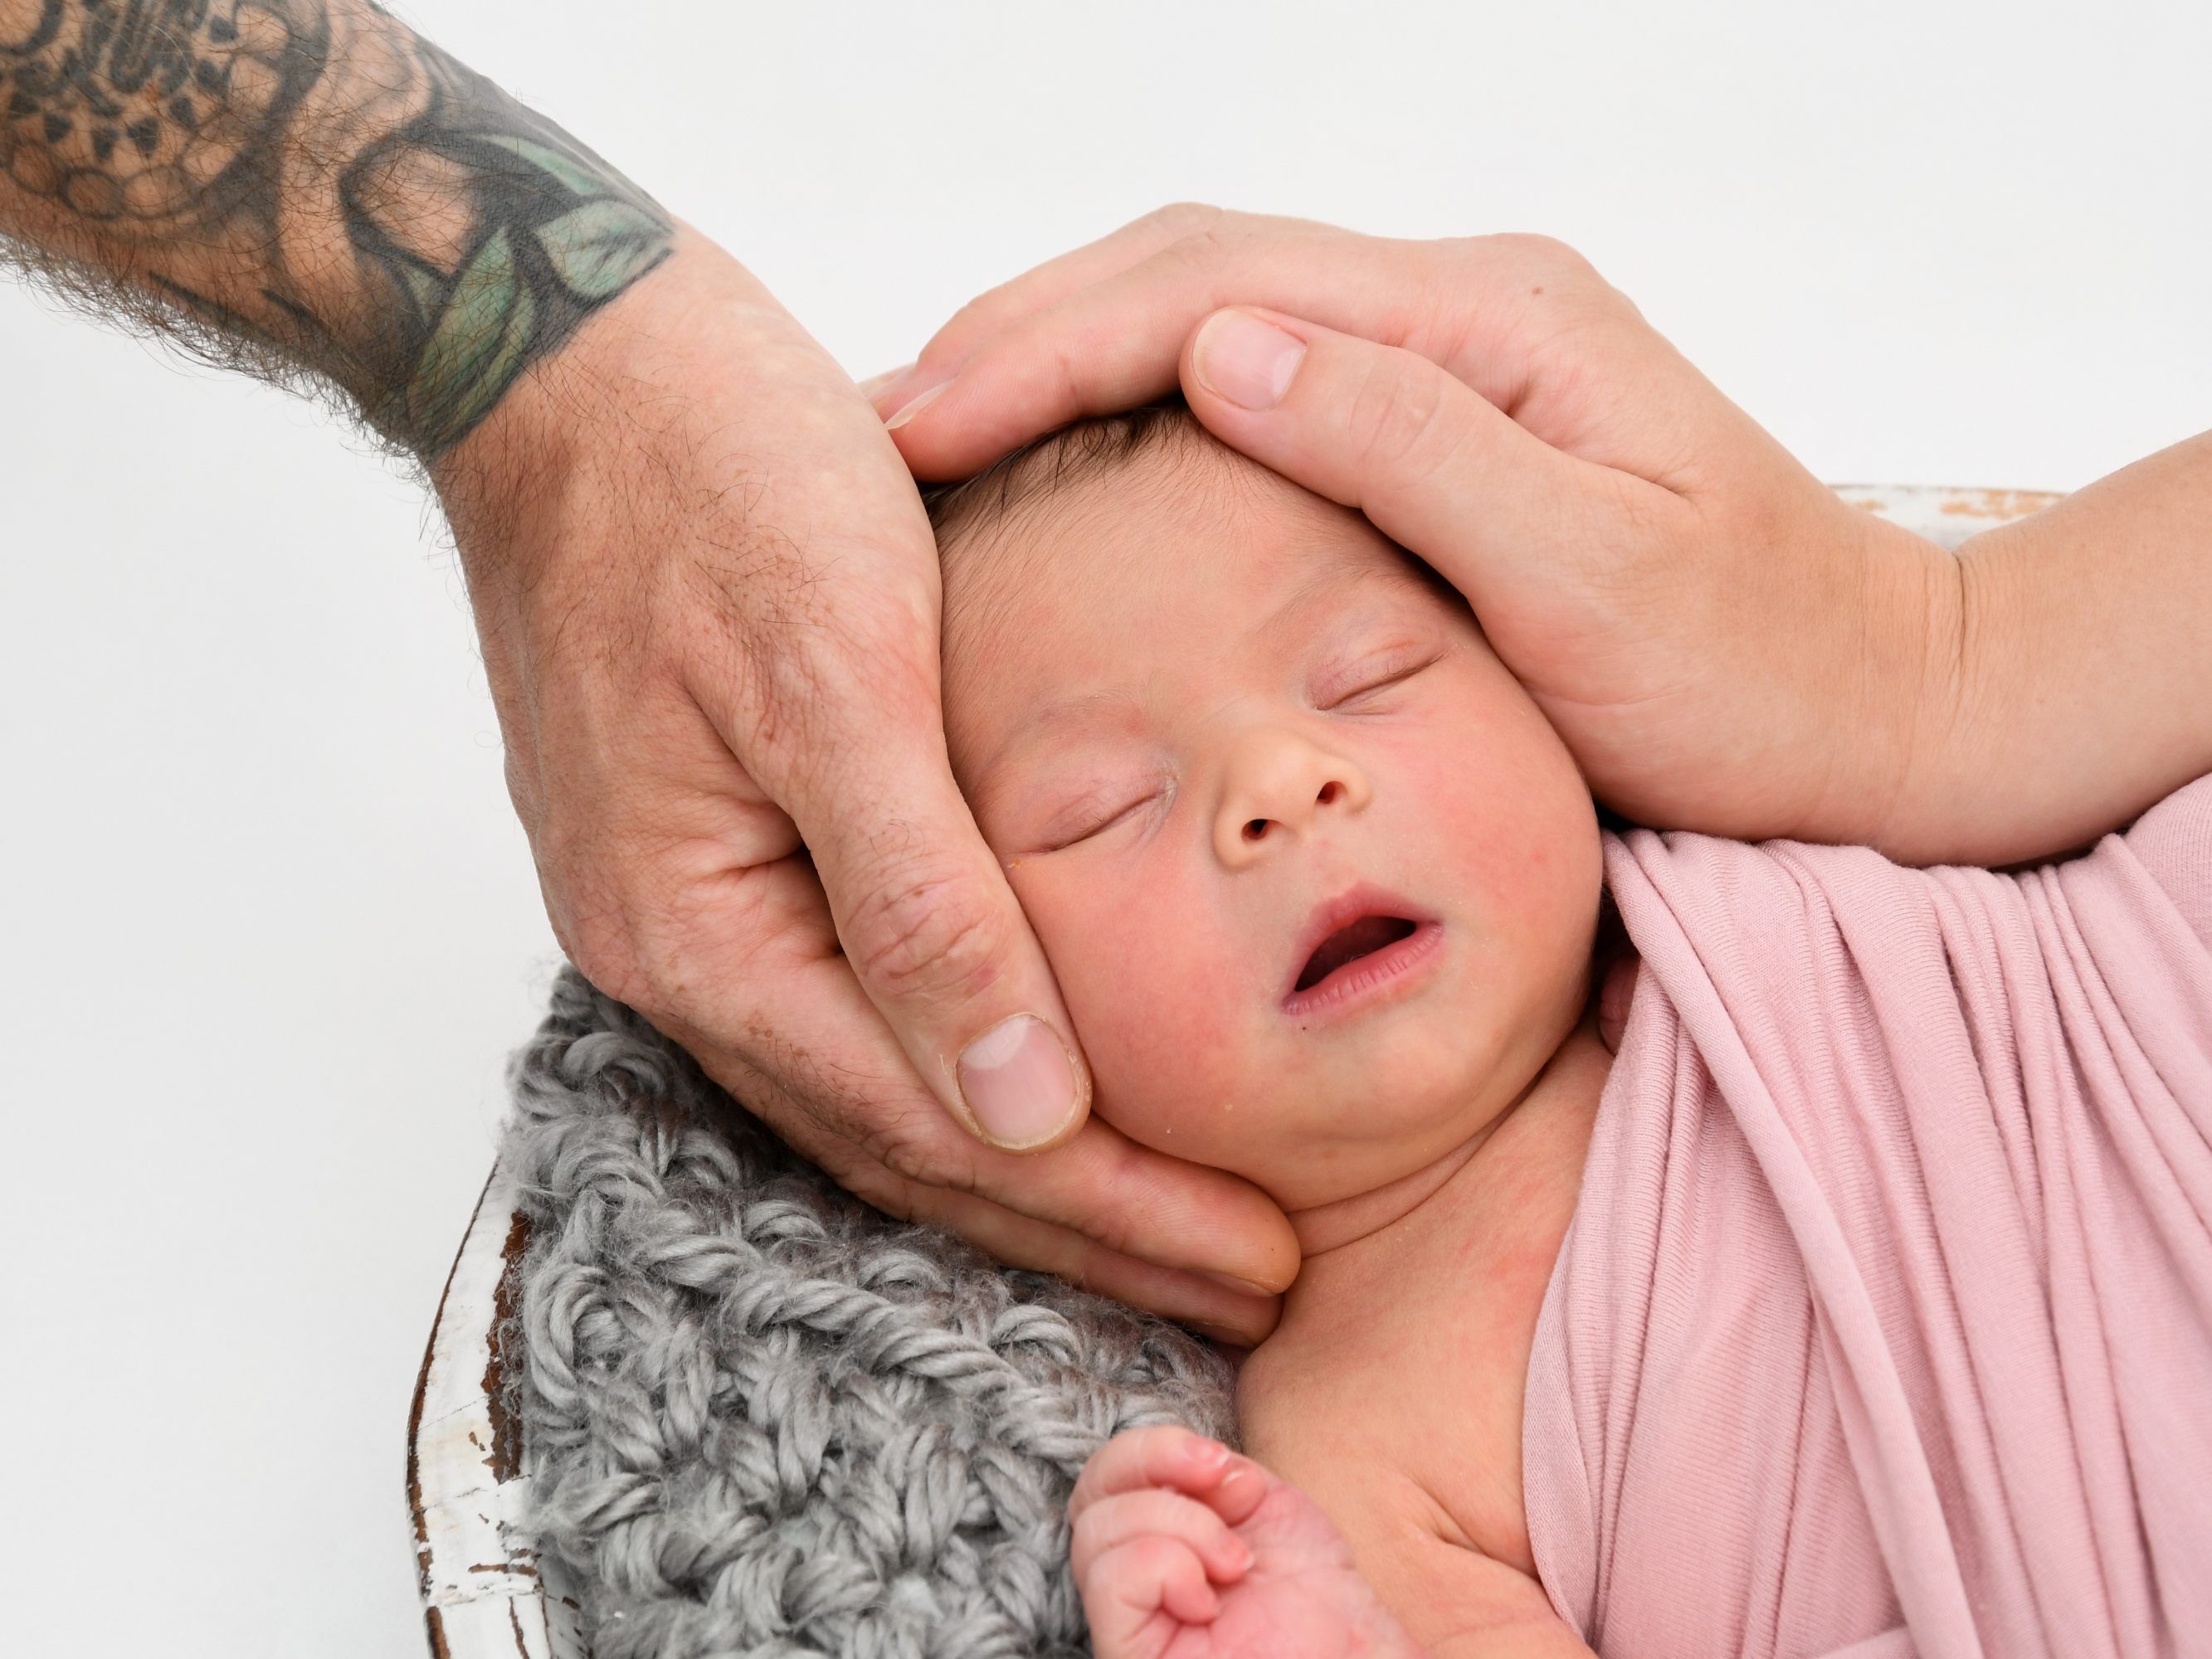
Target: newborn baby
x,y
1320,887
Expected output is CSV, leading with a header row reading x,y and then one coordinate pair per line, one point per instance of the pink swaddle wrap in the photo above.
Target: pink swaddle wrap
x,y
1884,1325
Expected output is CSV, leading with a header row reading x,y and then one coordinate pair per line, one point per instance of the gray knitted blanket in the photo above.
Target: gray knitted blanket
x,y
763,1418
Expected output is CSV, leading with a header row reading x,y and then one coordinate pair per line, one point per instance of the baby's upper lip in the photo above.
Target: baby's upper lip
x,y
1365,900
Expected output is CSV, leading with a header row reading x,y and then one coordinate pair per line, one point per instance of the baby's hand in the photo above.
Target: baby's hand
x,y
1185,1550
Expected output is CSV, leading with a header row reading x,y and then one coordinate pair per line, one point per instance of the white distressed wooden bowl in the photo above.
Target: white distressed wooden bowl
x,y
486,1591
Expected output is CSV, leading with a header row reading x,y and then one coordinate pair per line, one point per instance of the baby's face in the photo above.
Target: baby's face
x,y
1206,719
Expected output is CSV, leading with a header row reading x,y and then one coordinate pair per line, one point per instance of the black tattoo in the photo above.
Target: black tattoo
x,y
315,181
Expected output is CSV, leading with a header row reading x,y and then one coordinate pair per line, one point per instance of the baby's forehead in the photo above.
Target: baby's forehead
x,y
1173,569
1155,576
1176,524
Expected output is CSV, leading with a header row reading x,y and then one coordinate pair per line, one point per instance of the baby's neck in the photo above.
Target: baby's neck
x,y
1512,1185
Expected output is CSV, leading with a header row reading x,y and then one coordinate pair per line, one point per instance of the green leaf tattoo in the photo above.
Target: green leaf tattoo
x,y
194,144
570,234
424,291
603,246
574,174
478,347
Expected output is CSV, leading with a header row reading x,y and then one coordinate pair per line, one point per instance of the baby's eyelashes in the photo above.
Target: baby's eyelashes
x,y
1096,824
1396,671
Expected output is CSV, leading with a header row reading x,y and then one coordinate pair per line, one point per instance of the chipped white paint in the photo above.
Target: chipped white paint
x,y
477,1560
482,1592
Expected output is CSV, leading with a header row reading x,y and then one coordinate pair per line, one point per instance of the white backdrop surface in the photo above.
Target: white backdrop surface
x,y
267,927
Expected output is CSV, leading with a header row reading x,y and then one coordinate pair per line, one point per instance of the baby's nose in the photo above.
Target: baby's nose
x,y
1277,787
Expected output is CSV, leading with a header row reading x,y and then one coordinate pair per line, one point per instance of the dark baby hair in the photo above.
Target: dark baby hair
x,y
1047,464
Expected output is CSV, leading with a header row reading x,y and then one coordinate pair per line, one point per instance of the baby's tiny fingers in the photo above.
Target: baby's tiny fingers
x,y
1104,1527
1165,1454
1241,1488
1135,1580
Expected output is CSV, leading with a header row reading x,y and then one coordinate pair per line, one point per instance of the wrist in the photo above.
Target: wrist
x,y
1918,773
1990,777
593,406
652,436
1894,698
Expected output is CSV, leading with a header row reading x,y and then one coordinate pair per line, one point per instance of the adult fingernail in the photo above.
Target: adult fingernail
x,y
876,385
913,406
1019,1081
1231,1282
1249,362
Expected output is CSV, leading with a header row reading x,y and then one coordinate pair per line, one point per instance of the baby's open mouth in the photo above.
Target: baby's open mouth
x,y
1349,943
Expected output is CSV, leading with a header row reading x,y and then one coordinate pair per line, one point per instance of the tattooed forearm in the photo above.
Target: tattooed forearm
x,y
314,183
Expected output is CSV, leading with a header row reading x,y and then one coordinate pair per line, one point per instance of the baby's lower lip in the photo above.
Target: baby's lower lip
x,y
1378,976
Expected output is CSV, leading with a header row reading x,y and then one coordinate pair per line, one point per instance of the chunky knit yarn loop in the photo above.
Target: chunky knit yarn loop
x,y
765,1419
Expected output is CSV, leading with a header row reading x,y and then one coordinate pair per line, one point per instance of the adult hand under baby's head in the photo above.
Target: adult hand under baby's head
x,y
1317,879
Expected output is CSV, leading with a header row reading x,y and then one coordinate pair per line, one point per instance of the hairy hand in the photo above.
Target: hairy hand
x,y
1723,643
708,599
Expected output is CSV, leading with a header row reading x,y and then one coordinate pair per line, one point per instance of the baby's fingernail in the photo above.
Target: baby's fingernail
x,y
913,406
1249,362
1209,1454
1238,1554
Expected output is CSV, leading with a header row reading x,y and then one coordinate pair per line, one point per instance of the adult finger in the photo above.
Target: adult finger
x,y
1189,225
1115,343
1525,321
1090,1211
992,313
921,906
1436,467
1202,1300
1099,1210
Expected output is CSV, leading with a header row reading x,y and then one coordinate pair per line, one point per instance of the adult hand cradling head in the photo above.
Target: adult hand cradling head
x,y
715,650
1723,643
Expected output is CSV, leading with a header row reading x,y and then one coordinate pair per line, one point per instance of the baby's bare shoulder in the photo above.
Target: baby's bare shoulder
x,y
1307,1416
1400,1420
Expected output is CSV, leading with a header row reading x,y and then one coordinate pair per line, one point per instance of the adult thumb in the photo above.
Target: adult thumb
x,y
1433,464
939,944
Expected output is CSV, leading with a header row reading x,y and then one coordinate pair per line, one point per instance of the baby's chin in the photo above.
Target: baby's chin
x,y
1309,1146
1350,1125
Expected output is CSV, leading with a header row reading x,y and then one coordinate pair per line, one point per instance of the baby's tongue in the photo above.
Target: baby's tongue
x,y
1350,942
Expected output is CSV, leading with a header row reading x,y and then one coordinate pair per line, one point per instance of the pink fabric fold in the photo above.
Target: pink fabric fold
x,y
1884,1325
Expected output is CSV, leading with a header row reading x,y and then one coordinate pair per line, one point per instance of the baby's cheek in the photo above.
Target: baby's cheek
x,y
1155,1004
1514,835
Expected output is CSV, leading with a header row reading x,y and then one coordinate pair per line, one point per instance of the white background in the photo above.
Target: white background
x,y
267,928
